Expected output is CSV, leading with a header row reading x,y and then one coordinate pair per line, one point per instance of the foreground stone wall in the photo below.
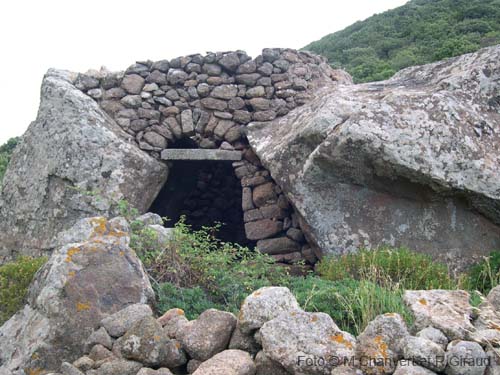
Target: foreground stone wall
x,y
272,335
210,99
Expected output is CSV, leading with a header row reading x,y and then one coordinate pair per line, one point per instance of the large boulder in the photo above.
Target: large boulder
x,y
209,334
399,162
228,362
380,345
447,310
93,274
73,162
306,343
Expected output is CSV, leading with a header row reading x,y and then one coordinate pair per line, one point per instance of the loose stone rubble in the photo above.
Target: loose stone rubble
x,y
284,340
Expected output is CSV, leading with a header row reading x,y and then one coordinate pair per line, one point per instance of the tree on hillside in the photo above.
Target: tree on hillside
x,y
419,32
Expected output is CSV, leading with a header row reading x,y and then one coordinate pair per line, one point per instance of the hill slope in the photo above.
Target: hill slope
x,y
418,32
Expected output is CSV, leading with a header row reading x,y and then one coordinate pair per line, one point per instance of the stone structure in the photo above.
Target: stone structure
x,y
274,336
76,147
331,166
210,99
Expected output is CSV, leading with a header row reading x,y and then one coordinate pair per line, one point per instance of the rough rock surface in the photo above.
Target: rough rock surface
x,y
209,334
228,362
91,275
447,310
63,170
304,343
396,162
465,358
381,344
264,305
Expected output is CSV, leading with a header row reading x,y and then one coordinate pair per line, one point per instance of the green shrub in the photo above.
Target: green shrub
x,y
15,278
192,300
485,275
196,261
352,304
384,266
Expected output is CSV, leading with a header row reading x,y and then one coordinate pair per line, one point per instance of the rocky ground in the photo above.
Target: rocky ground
x,y
91,311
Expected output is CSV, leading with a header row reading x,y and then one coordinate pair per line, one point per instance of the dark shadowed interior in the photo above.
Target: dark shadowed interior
x,y
206,192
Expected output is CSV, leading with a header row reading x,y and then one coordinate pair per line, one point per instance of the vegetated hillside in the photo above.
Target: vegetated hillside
x,y
5,151
419,32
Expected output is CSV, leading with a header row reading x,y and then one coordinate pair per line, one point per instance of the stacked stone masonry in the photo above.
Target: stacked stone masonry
x,y
211,99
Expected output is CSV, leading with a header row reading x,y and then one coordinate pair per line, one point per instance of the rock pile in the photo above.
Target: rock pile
x,y
272,335
210,99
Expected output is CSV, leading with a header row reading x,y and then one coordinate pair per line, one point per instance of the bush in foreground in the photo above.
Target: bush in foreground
x,y
352,304
386,266
15,278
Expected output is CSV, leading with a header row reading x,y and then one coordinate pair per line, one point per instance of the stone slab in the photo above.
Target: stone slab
x,y
197,154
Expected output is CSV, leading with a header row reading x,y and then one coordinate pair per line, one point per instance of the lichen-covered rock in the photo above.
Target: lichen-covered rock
x,y
228,362
380,345
264,305
346,370
101,337
409,368
146,342
173,321
435,335
265,365
121,321
150,371
446,310
73,162
304,343
425,353
388,163
119,367
90,277
493,367
242,341
208,335
465,358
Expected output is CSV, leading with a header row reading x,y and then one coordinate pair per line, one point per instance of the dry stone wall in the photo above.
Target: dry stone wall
x,y
210,99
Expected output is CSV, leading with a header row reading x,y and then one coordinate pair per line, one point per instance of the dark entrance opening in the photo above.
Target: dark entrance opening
x,y
205,192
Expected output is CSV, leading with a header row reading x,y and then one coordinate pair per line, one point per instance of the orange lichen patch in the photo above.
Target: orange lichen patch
x,y
156,338
122,253
180,312
382,346
100,226
72,251
256,294
314,318
81,306
35,371
178,345
340,339
71,273
423,301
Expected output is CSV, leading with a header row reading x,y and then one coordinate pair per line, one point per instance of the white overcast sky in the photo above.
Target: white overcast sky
x,y
79,35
